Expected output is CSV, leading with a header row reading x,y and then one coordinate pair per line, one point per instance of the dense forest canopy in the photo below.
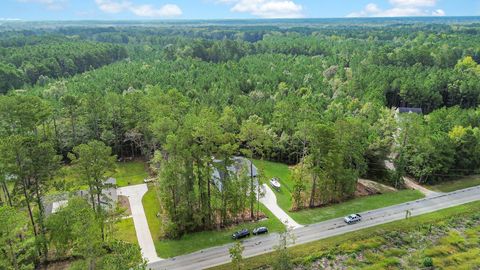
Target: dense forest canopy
x,y
340,69
317,94
28,64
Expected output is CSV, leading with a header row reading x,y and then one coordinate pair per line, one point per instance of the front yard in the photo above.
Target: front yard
x,y
126,173
130,173
125,231
449,186
195,241
309,216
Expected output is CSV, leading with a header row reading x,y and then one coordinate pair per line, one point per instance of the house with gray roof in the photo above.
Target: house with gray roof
x,y
237,165
108,199
410,110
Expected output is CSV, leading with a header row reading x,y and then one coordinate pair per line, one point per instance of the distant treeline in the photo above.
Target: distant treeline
x,y
39,60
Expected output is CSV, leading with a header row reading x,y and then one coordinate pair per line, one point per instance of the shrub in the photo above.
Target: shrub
x,y
427,262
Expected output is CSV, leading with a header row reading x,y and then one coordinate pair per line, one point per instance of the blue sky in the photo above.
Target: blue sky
x,y
229,9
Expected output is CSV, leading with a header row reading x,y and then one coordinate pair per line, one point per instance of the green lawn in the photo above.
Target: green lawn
x,y
308,216
126,173
130,173
151,206
67,179
465,182
125,230
281,171
315,215
194,241
367,237
201,240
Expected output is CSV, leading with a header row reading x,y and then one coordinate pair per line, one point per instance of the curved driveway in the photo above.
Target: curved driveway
x,y
270,201
135,195
258,245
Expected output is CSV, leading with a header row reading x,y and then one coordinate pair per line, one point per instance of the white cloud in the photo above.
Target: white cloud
x,y
372,8
438,12
167,10
266,8
413,3
116,6
401,8
110,6
50,4
10,19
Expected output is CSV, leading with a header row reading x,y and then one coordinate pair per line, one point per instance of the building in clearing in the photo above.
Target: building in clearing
x,y
109,198
410,110
237,166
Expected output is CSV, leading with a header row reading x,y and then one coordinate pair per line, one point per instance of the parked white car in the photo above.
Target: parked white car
x,y
353,218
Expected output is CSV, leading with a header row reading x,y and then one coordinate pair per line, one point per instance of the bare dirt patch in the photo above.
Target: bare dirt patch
x,y
58,265
125,204
367,187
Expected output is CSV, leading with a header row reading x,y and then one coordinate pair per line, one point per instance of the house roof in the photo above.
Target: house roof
x,y
410,110
238,163
53,203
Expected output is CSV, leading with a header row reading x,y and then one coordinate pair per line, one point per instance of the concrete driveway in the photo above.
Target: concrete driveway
x,y
270,201
135,195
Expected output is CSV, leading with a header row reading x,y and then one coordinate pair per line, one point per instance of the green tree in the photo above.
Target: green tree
x,y
123,255
15,243
283,258
82,234
299,187
254,135
236,255
94,163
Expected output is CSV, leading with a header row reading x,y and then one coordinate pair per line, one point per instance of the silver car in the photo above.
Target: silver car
x,y
353,218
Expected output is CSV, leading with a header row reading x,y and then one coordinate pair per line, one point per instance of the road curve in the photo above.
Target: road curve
x,y
263,244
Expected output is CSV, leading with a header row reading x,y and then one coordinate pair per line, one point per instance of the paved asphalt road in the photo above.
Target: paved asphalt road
x,y
262,244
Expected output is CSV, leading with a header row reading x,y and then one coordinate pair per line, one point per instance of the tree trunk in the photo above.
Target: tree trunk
x,y
312,194
13,255
55,129
30,213
258,201
209,202
202,193
74,133
91,265
252,189
7,194
92,197
99,213
41,216
95,127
